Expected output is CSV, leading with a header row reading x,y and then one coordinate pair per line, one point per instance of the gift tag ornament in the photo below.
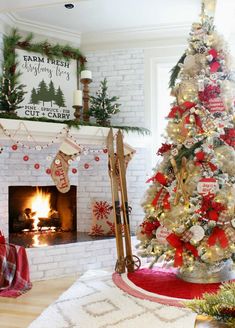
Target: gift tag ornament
x,y
161,234
174,152
188,143
207,186
198,233
233,223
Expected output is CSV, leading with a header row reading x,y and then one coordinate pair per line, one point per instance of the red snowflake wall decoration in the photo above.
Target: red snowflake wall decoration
x,y
102,210
97,230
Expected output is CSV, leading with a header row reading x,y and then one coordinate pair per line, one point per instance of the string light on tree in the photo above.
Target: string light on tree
x,y
191,195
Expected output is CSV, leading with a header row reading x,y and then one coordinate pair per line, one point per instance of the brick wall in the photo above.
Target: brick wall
x,y
124,70
62,260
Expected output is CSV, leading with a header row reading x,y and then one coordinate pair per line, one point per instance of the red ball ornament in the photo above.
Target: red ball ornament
x,y
36,166
97,158
86,166
105,150
48,171
57,173
26,158
74,171
14,147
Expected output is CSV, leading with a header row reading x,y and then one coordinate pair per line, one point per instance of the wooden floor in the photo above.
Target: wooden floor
x,y
20,312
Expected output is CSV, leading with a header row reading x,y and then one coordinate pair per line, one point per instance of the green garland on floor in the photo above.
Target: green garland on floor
x,y
77,125
11,91
220,305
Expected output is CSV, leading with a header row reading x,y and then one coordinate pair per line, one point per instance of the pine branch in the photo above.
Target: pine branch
x,y
175,71
186,152
220,305
71,123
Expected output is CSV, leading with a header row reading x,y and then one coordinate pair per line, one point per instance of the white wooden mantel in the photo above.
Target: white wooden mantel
x,y
45,132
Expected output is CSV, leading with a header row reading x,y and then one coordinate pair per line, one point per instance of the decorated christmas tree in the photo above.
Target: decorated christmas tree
x,y
190,202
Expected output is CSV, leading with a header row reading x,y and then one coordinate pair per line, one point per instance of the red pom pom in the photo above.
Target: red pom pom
x,y
86,166
74,171
26,158
48,171
97,158
36,166
105,150
57,173
14,147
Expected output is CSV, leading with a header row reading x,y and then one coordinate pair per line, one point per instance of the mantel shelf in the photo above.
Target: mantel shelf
x,y
45,132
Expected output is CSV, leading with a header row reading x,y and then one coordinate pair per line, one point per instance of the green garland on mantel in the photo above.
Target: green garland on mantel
x,y
77,125
11,91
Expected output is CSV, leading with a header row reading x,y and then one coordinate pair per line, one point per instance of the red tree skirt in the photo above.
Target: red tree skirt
x,y
162,286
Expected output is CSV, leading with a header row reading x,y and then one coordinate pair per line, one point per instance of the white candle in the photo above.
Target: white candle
x,y
86,75
77,98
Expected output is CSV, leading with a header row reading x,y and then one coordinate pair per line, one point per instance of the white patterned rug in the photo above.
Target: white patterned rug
x,y
94,301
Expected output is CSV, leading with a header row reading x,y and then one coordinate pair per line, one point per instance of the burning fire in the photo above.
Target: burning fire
x,y
41,206
37,243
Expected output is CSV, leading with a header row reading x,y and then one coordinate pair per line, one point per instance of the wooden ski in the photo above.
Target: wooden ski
x,y
125,208
120,263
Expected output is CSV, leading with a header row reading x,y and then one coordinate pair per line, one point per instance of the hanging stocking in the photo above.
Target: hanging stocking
x,y
60,164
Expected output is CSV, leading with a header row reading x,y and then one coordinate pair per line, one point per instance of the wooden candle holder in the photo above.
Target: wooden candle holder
x,y
86,83
77,113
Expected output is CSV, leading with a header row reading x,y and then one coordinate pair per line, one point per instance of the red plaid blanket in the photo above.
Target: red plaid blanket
x,y
14,270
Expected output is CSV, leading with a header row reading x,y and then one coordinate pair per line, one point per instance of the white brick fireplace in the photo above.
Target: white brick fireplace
x,y
93,183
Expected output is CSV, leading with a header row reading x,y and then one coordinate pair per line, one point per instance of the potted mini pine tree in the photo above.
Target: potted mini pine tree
x,y
102,107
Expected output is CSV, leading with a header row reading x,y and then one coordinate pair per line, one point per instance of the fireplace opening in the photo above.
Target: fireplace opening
x,y
34,211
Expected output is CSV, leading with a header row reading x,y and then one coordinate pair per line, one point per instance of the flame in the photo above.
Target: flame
x,y
40,205
37,243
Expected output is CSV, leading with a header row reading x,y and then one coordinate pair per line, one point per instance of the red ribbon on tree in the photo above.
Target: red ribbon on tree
x,y
214,65
180,246
211,209
164,148
213,53
158,177
197,121
210,92
219,235
229,137
201,160
147,227
162,199
180,110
